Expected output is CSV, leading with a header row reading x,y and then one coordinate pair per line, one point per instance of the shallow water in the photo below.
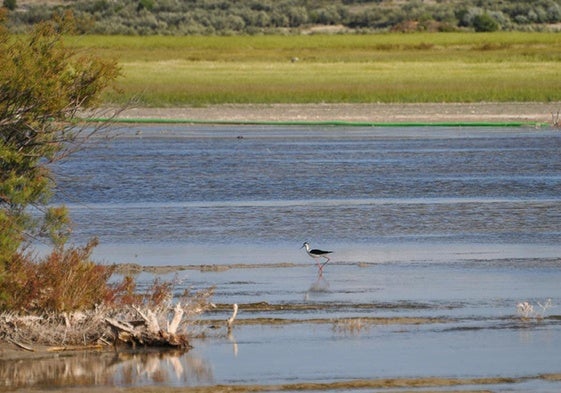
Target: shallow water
x,y
437,235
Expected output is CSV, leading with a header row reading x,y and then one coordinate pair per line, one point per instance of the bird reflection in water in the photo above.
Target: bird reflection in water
x,y
320,285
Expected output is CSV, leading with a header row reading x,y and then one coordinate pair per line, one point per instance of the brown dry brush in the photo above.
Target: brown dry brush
x,y
64,299
64,280
556,119
157,318
107,325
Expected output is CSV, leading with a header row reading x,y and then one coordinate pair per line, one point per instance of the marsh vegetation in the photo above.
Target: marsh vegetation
x,y
423,67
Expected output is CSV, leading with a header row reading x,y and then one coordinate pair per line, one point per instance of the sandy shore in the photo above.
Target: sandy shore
x,y
531,112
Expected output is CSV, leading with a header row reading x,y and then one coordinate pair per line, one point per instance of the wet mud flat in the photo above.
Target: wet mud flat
x,y
343,331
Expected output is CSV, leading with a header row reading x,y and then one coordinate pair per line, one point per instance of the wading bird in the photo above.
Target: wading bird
x,y
316,254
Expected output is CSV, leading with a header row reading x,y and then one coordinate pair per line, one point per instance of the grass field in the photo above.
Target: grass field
x,y
432,67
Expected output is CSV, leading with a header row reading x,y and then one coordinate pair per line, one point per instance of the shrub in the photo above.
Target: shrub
x,y
89,326
10,4
485,23
125,16
43,84
63,280
66,280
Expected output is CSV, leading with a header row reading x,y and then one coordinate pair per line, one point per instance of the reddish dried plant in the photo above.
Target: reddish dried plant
x,y
64,280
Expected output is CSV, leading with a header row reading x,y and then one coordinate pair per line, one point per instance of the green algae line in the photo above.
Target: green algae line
x,y
327,123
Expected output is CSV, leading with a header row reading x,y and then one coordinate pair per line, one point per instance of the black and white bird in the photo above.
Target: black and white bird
x,y
316,254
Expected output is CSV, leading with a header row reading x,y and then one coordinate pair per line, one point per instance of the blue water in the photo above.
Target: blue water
x,y
337,185
452,223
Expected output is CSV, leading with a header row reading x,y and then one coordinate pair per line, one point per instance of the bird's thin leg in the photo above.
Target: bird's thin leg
x,y
320,266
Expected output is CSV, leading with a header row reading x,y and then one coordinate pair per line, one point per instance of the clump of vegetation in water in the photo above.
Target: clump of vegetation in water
x,y
527,311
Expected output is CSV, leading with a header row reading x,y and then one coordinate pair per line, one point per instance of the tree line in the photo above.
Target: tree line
x,y
224,17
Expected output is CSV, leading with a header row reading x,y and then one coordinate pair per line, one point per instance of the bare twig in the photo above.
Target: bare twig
x,y
177,316
230,320
556,119
22,346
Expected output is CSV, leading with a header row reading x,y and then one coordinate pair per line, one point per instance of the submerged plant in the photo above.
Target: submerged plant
x,y
545,306
350,326
526,309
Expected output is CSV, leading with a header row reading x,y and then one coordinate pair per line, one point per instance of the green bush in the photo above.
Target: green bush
x,y
485,23
42,86
10,4
207,16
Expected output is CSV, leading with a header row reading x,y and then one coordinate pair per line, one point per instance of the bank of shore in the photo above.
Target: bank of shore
x,y
492,112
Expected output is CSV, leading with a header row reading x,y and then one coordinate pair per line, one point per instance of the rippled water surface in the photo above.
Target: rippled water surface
x,y
437,235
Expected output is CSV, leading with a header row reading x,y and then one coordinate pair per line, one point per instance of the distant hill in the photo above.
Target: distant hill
x,y
223,17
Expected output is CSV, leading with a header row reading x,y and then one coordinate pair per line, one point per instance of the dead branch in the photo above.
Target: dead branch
x,y
178,315
22,346
74,348
230,320
148,332
151,322
160,325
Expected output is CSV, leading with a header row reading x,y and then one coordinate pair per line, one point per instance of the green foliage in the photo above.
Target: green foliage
x,y
56,225
145,5
485,23
10,4
171,17
43,84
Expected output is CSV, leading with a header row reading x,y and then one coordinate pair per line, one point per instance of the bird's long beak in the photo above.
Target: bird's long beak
x,y
303,245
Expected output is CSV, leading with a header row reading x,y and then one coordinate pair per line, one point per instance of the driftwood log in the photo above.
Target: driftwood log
x,y
147,331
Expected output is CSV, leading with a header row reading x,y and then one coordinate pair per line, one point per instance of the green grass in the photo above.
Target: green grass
x,y
437,67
